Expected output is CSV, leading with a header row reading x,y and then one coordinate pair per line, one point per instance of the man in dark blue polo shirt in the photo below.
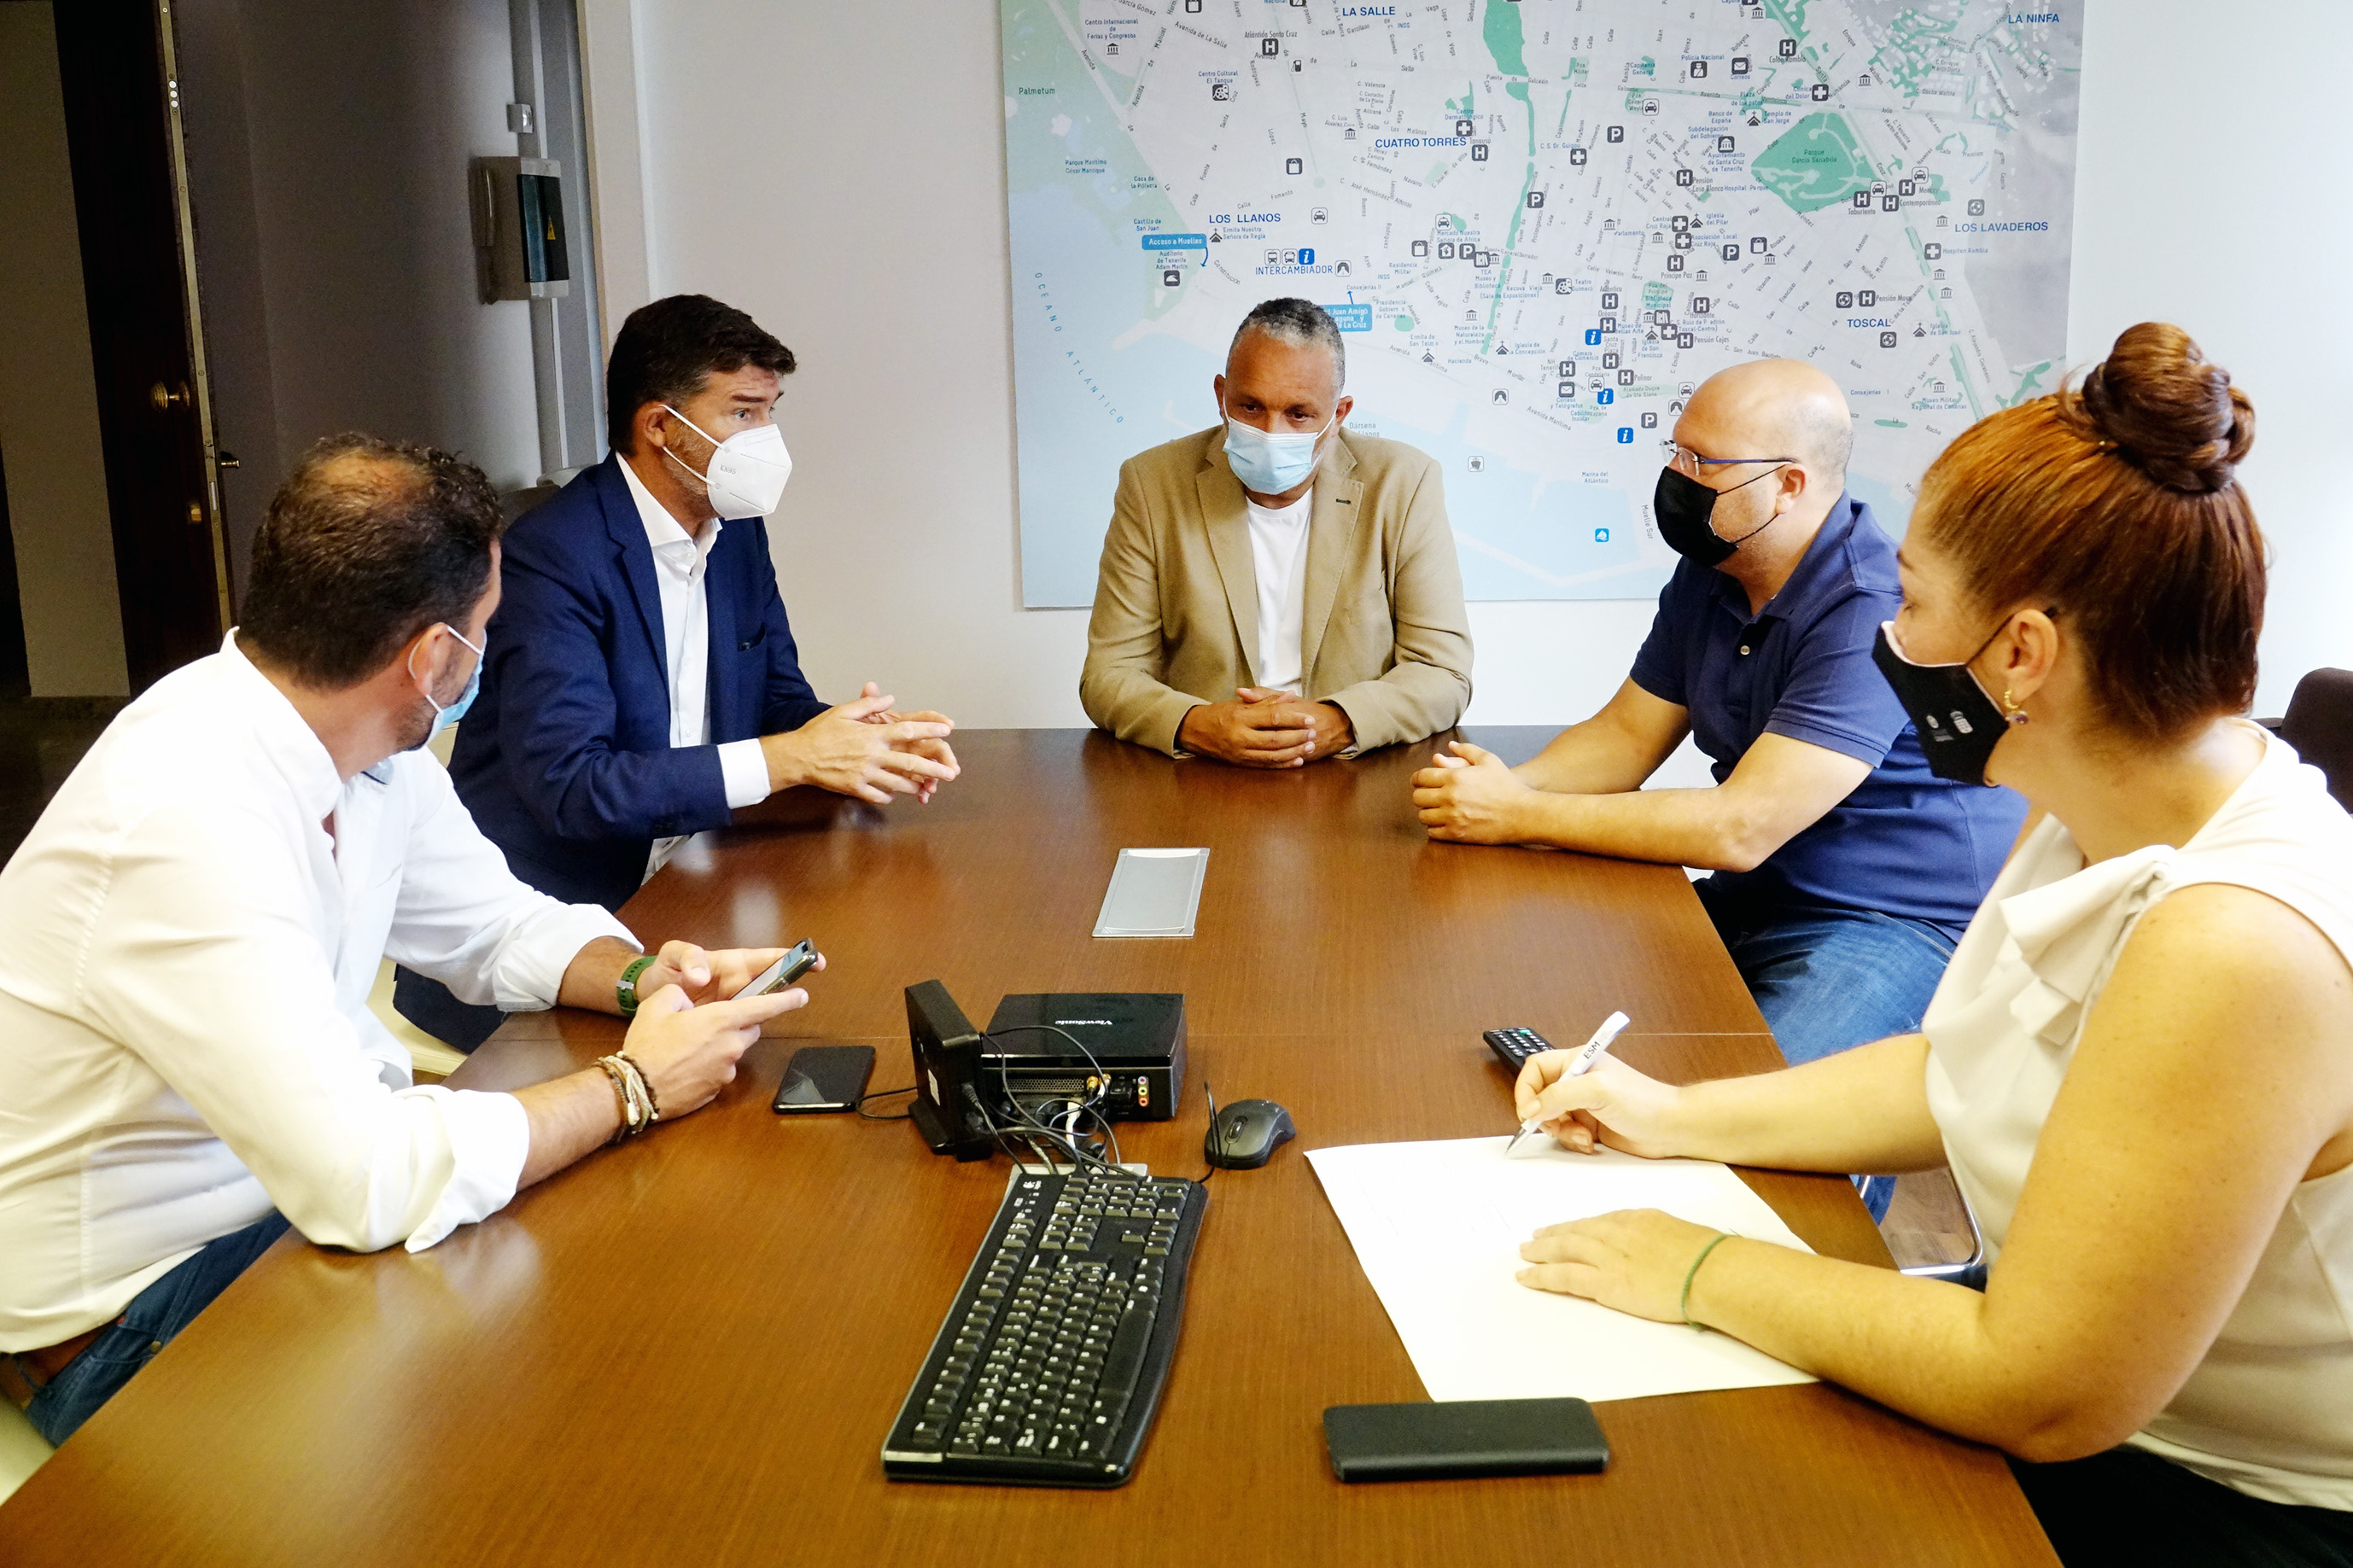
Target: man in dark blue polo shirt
x,y
1844,870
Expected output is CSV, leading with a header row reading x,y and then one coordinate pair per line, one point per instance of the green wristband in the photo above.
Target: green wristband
x,y
1693,1273
625,993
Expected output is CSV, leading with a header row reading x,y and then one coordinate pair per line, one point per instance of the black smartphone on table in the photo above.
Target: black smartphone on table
x,y
1464,1438
825,1079
796,962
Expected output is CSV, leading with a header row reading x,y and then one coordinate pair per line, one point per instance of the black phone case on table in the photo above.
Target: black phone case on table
x,y
824,1059
1463,1438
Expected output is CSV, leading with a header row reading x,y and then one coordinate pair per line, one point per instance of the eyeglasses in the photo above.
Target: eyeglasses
x,y
1685,461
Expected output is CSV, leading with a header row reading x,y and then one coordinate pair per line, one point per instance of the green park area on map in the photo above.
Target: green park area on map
x,y
1814,164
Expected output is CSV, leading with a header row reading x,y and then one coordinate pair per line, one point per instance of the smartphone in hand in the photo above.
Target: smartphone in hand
x,y
783,973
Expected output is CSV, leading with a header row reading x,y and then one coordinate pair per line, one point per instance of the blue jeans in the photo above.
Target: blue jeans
x,y
154,1316
1827,980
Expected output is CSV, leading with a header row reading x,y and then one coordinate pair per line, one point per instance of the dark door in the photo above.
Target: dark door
x,y
123,131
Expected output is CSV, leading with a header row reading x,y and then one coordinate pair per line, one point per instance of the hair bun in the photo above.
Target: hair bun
x,y
2170,413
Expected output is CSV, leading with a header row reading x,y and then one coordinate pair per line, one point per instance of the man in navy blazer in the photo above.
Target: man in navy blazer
x,y
641,682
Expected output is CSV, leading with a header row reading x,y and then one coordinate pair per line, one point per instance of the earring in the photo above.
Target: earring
x,y
2010,711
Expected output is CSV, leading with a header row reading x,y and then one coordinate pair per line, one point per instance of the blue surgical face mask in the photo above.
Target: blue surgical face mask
x,y
445,717
1271,465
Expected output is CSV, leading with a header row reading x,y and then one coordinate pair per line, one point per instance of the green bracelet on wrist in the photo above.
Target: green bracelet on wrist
x,y
1693,1273
625,993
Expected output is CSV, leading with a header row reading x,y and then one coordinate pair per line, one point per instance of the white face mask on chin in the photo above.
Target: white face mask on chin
x,y
747,471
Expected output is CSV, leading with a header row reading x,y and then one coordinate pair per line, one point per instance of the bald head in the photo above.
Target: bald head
x,y
1773,409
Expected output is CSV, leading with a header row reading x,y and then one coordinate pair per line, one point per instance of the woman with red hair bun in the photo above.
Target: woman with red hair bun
x,y
2139,1063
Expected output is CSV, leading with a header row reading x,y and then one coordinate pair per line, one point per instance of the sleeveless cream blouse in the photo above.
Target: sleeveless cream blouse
x,y
2270,1409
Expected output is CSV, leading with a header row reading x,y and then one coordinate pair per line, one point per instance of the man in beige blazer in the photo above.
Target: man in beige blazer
x,y
1279,588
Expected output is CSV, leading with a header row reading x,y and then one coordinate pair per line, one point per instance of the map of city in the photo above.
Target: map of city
x,y
1539,224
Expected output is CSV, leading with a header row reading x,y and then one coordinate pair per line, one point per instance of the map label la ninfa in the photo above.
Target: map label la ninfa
x,y
1540,223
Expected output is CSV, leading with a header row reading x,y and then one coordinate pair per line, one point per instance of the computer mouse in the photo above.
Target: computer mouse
x,y
1244,1135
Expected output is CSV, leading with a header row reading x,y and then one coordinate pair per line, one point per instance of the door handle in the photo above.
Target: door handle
x,y
166,398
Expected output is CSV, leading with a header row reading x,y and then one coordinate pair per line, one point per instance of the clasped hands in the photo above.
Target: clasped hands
x,y
1266,729
865,748
1634,1260
1468,796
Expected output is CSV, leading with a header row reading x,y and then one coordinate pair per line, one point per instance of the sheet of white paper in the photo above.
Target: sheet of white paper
x,y
1438,1225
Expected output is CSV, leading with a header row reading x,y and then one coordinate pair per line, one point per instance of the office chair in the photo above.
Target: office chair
x,y
21,1449
514,503
1928,1253
2319,725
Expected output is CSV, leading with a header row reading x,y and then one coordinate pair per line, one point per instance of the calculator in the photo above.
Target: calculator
x,y
1514,1046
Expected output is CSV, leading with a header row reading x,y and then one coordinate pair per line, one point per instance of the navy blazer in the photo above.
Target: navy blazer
x,y
565,758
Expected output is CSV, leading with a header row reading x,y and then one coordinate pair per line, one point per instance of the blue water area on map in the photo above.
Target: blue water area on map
x,y
1074,271
1550,533
1889,506
1105,405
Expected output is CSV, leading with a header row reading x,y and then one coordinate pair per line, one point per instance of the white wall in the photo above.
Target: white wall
x,y
865,226
49,393
2200,199
328,145
874,244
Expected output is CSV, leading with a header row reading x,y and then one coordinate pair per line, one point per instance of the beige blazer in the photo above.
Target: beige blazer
x,y
1384,635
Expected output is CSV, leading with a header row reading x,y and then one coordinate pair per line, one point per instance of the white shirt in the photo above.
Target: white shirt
x,y
1279,552
680,559
185,958
2270,1409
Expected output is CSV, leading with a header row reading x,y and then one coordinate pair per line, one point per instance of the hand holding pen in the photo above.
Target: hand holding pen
x,y
1586,1054
1586,1097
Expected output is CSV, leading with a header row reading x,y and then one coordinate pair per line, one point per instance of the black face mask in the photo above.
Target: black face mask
x,y
1684,505
1959,724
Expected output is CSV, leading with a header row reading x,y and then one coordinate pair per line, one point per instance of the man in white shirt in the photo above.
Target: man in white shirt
x,y
642,682
1279,589
189,935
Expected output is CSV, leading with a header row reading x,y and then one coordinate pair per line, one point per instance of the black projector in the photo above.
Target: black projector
x,y
1134,1050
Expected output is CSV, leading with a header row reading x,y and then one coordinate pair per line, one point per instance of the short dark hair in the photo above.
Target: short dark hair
x,y
365,544
1298,321
668,350
2119,504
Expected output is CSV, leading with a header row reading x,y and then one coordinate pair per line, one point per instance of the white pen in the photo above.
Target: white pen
x,y
1589,1053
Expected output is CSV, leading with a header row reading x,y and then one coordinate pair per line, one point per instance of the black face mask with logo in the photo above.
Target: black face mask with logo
x,y
1684,505
1959,724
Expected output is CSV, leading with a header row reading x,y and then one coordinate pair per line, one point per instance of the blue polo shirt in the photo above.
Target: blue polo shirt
x,y
1905,842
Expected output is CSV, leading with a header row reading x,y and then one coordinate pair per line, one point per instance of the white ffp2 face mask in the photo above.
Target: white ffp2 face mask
x,y
747,471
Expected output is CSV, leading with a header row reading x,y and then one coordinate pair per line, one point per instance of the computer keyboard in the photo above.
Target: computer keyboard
x,y
1050,1366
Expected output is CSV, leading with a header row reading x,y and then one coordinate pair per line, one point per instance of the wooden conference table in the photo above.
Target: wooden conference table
x,y
688,1349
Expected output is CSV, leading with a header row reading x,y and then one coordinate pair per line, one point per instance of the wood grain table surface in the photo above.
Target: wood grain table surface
x,y
688,1349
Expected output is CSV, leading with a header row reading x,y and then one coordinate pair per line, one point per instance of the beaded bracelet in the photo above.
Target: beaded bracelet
x,y
642,1097
630,1114
638,1090
653,1106
1693,1273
